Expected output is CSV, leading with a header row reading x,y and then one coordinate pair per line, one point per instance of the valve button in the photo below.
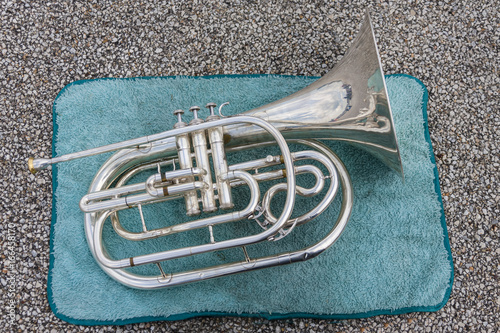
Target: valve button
x,y
211,107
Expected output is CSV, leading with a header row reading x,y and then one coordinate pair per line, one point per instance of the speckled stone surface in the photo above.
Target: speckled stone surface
x,y
451,46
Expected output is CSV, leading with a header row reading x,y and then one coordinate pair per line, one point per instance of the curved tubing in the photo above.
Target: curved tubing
x,y
196,224
323,204
161,281
121,158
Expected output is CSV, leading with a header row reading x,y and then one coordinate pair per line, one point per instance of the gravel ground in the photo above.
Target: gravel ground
x,y
452,46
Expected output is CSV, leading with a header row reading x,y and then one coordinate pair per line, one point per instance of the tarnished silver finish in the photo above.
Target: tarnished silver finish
x,y
350,103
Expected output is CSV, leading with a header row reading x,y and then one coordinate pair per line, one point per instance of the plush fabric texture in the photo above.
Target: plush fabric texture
x,y
393,257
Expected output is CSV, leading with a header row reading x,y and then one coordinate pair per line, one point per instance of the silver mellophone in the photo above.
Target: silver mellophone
x,y
349,103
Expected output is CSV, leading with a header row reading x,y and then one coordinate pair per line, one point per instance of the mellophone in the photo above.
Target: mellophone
x,y
349,103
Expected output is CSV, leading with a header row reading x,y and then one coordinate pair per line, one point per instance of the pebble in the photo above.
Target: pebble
x,y
451,46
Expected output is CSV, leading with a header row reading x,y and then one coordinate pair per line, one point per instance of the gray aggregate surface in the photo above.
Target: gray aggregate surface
x,y
452,46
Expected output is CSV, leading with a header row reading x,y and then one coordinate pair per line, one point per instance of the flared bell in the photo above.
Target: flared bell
x,y
350,103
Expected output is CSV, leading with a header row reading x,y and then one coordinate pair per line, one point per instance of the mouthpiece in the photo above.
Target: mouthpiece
x,y
35,165
30,165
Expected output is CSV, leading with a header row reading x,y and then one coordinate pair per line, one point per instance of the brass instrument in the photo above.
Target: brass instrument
x,y
349,103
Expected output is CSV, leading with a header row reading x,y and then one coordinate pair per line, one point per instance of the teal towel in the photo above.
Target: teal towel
x,y
394,256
